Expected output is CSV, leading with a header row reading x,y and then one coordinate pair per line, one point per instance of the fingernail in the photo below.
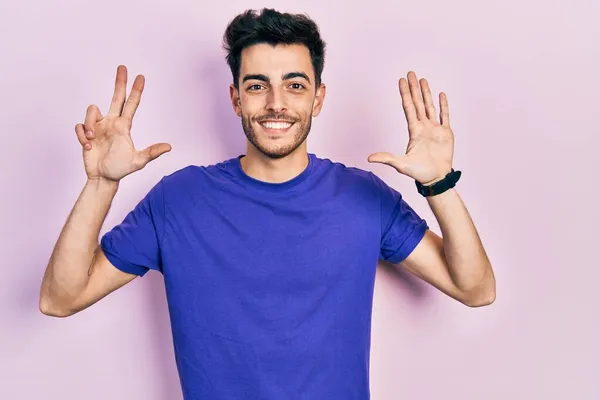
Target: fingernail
x,y
88,134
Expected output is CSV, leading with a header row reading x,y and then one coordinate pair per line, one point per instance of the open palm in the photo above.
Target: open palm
x,y
108,150
430,149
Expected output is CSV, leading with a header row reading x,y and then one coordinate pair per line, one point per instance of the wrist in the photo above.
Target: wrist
x,y
438,186
103,184
442,197
436,180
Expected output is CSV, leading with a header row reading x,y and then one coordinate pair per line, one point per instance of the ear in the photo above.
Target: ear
x,y
234,94
319,98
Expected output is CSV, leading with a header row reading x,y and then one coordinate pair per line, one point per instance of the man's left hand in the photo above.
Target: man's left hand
x,y
430,149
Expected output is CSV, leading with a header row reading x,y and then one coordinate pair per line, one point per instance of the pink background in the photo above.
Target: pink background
x,y
522,81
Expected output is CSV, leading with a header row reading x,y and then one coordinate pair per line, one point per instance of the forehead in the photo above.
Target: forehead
x,y
274,61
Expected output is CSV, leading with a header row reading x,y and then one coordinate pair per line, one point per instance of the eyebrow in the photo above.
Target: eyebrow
x,y
264,78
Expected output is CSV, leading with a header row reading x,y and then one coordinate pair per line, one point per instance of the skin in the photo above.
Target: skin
x,y
455,263
78,273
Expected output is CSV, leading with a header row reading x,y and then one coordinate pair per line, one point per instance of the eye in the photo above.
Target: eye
x,y
254,87
297,86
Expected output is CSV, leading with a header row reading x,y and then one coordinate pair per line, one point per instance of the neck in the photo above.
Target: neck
x,y
260,167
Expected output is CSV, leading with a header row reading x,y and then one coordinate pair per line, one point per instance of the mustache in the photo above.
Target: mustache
x,y
275,117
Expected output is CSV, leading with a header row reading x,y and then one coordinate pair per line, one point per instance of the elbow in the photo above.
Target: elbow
x,y
49,308
481,300
483,295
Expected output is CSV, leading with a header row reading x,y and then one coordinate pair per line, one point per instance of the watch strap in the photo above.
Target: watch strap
x,y
439,187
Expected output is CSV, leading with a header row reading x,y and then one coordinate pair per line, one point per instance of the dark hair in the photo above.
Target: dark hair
x,y
272,27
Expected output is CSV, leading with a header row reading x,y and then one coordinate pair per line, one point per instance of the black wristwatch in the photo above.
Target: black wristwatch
x,y
448,182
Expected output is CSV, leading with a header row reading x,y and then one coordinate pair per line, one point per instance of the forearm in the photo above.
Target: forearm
x,y
467,261
67,272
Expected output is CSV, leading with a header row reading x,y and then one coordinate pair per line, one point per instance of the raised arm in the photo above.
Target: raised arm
x,y
456,263
78,273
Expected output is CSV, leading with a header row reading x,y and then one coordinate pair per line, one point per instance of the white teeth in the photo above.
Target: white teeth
x,y
276,125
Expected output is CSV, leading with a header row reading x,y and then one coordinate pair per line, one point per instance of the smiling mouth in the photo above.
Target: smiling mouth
x,y
276,126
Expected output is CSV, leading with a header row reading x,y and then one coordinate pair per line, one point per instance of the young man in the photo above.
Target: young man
x,y
268,258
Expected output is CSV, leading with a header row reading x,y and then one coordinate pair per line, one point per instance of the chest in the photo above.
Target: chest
x,y
240,265
259,243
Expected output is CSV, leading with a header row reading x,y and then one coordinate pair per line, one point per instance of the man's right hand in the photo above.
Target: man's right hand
x,y
108,150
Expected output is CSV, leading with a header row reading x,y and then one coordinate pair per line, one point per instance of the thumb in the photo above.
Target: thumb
x,y
150,153
400,163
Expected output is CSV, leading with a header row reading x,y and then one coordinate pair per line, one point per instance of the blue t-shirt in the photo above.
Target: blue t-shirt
x,y
269,285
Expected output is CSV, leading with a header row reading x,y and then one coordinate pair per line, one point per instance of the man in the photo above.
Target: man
x,y
268,258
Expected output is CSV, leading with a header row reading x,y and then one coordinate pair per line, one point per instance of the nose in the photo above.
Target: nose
x,y
276,101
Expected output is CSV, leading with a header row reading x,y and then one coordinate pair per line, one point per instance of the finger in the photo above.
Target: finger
x,y
429,106
116,105
134,97
79,130
399,163
407,103
444,110
92,116
417,97
150,153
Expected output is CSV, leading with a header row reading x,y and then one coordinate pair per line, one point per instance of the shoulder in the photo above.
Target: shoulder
x,y
362,180
345,172
193,175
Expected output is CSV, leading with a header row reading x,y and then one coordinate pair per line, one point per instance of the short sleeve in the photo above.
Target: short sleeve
x,y
401,227
133,246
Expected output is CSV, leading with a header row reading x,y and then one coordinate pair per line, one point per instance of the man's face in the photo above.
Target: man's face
x,y
277,97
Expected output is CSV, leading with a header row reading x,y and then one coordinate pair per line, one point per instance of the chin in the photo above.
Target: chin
x,y
278,148
276,152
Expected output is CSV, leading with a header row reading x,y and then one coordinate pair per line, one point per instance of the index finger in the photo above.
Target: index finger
x,y
116,106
